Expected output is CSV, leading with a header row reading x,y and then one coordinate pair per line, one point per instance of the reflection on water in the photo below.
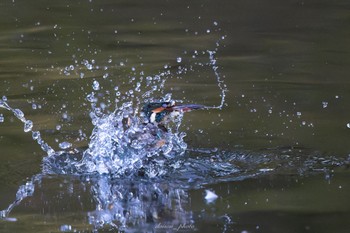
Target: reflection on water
x,y
138,203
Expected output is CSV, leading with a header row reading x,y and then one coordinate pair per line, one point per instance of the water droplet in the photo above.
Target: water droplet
x,y
35,135
96,85
91,98
64,116
65,145
210,196
2,118
348,125
28,125
179,59
18,113
324,104
66,228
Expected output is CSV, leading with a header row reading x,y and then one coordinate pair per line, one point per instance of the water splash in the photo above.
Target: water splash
x,y
139,204
28,125
123,144
222,86
23,192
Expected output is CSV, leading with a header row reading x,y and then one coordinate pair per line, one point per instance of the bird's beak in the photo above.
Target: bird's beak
x,y
187,107
158,110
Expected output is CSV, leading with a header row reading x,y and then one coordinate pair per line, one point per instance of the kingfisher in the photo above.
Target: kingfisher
x,y
161,112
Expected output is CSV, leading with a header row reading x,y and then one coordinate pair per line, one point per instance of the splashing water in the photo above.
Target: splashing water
x,y
122,142
124,145
28,125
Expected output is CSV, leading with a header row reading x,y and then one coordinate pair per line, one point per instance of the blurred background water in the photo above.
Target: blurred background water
x,y
286,66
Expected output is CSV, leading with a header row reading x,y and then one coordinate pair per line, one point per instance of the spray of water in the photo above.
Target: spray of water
x,y
124,145
28,125
220,81
123,142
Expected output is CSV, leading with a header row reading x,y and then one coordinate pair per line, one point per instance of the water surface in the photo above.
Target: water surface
x,y
276,154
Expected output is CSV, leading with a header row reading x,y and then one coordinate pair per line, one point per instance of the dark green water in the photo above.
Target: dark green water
x,y
286,66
